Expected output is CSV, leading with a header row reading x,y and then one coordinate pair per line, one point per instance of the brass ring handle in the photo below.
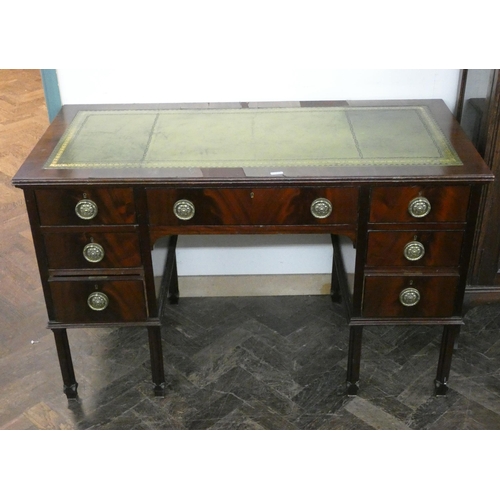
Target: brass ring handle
x,y
93,252
184,209
414,250
321,208
409,297
86,209
419,207
97,301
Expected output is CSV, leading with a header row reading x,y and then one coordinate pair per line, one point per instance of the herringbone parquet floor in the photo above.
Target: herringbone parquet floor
x,y
232,363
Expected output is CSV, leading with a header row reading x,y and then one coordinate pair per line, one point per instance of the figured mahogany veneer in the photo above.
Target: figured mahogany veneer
x,y
368,186
441,248
65,249
257,206
449,203
57,206
438,296
126,301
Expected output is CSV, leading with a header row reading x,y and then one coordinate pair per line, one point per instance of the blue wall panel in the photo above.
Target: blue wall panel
x,y
51,89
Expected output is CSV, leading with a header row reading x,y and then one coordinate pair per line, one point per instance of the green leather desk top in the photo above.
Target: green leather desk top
x,y
269,137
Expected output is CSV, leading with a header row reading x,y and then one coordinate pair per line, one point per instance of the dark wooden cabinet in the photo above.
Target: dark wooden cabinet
x,y
479,114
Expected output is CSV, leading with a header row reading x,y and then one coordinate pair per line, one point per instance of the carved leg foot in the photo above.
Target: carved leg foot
x,y
440,388
173,298
66,363
335,296
156,354
159,390
71,391
450,334
354,359
352,388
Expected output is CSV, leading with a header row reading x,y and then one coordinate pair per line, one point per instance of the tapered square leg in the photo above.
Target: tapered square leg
x,y
66,363
173,286
354,359
170,272
335,287
335,290
156,353
450,334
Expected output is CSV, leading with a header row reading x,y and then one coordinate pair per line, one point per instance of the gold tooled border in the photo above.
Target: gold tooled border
x,y
449,157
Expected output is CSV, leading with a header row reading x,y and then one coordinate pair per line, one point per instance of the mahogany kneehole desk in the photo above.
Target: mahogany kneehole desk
x,y
399,178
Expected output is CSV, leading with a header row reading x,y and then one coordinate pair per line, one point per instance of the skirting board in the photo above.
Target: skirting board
x,y
255,285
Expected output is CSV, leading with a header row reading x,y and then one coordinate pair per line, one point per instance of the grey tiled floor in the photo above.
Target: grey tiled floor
x,y
261,363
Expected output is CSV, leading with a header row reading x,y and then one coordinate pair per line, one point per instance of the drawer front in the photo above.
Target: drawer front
x,y
92,250
125,301
382,296
287,206
392,204
414,248
95,206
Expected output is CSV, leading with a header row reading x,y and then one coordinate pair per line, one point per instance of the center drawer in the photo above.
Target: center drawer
x,y
262,206
98,301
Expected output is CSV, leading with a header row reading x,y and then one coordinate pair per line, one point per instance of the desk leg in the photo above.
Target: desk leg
x,y
335,286
450,333
173,286
156,353
354,359
171,271
66,363
335,290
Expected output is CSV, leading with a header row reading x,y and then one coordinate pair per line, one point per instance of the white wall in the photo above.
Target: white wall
x,y
188,84
223,255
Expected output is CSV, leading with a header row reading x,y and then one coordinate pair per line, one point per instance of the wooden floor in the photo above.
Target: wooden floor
x,y
231,363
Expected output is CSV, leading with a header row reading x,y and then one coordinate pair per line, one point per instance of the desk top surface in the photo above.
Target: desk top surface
x,y
258,142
